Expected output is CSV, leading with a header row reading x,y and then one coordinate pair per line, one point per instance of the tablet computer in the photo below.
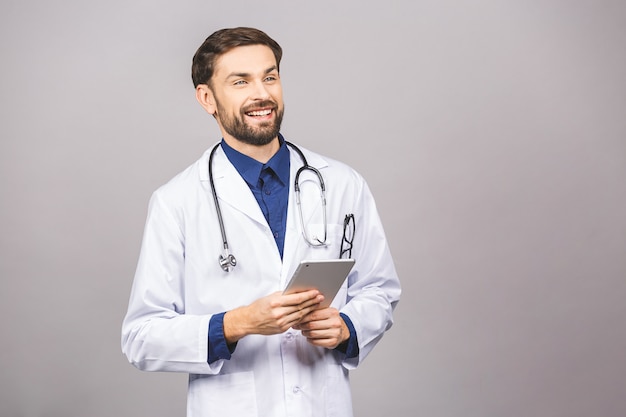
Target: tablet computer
x,y
325,275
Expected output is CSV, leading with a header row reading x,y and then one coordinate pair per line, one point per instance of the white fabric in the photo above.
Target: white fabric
x,y
179,285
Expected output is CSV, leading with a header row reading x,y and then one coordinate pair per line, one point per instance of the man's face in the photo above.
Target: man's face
x,y
248,95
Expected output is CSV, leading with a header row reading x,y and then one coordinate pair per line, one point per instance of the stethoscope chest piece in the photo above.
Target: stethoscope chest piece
x,y
227,261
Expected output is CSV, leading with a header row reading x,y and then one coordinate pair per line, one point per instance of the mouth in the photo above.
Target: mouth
x,y
259,113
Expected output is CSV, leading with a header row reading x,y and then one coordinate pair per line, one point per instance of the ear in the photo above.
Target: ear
x,y
205,97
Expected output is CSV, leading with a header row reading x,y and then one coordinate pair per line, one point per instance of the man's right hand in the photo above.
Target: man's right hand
x,y
272,314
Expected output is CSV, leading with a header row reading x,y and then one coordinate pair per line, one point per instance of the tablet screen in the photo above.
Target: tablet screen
x,y
325,275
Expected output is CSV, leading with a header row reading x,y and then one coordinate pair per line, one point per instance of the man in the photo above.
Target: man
x,y
249,349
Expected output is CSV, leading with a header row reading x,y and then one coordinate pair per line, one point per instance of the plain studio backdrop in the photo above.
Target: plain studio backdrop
x,y
492,133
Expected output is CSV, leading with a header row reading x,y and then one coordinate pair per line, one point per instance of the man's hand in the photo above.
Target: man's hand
x,y
272,314
324,327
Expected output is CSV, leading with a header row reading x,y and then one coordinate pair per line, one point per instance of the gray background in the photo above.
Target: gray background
x,y
493,134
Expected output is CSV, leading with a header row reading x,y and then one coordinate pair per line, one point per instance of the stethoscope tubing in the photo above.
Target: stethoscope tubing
x,y
228,260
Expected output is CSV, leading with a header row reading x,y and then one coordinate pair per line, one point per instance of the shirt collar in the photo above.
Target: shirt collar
x,y
250,169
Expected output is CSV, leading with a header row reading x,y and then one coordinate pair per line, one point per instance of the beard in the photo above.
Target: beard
x,y
236,126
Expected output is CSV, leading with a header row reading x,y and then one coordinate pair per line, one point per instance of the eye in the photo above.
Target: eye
x,y
270,78
240,82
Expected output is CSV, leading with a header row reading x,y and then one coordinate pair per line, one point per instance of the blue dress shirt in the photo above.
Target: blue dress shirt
x,y
269,183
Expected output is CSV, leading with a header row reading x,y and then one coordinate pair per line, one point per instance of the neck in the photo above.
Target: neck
x,y
261,153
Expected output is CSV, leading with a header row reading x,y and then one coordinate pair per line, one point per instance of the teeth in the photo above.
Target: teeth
x,y
260,112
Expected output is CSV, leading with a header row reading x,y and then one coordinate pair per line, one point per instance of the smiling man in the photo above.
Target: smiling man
x,y
241,73
249,349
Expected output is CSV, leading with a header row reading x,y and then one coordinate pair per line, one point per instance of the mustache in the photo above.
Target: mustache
x,y
260,105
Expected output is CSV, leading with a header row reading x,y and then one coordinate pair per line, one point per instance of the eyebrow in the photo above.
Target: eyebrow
x,y
247,75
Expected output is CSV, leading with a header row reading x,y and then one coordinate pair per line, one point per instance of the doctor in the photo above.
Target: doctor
x,y
249,350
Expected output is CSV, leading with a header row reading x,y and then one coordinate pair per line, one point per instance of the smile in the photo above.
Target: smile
x,y
265,112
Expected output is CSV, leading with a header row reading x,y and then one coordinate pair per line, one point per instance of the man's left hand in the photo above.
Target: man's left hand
x,y
324,327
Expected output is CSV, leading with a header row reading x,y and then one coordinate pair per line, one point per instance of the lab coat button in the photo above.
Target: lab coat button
x,y
289,337
297,389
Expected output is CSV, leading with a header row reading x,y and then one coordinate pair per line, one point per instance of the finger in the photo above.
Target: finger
x,y
304,309
296,314
321,334
312,303
323,340
309,311
319,314
300,298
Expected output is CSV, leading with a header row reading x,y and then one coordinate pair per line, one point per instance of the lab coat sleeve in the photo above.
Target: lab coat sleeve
x,y
157,335
373,284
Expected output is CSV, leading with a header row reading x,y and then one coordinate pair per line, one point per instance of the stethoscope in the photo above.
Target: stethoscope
x,y
227,260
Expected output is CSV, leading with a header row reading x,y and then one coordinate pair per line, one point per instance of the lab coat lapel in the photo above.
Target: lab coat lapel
x,y
232,190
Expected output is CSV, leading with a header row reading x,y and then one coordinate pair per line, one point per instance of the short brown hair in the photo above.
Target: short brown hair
x,y
222,41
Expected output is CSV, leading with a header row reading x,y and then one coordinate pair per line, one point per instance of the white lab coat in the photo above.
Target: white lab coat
x,y
179,285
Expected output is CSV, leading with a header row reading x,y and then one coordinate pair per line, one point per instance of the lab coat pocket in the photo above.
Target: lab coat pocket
x,y
338,396
223,395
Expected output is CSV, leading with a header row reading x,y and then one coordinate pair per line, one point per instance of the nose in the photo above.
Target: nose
x,y
260,91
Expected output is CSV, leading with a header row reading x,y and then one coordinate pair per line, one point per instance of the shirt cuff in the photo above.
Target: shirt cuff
x,y
218,348
349,347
